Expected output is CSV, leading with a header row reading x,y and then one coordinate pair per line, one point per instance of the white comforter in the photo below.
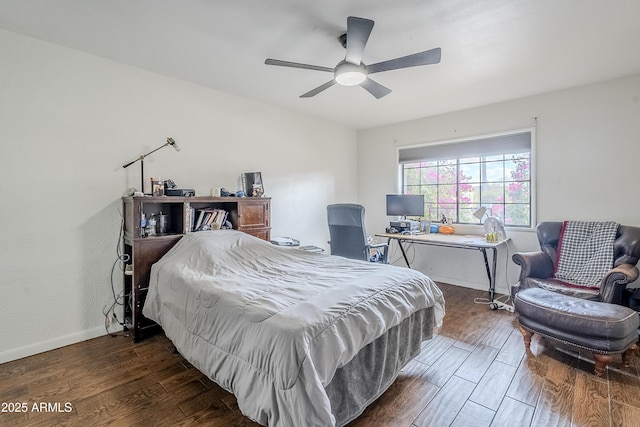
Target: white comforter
x,y
271,324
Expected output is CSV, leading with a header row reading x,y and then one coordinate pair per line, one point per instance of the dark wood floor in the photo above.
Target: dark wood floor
x,y
473,373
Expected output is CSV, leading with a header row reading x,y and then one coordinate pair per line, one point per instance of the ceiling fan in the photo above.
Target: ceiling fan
x,y
351,71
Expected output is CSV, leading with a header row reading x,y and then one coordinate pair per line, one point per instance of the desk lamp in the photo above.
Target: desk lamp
x,y
492,224
170,141
480,213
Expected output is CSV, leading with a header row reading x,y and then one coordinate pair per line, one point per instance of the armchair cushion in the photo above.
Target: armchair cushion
x,y
551,284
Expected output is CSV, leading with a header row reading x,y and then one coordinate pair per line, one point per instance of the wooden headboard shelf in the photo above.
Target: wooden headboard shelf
x,y
251,215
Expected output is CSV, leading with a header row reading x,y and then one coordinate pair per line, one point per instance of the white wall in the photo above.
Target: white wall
x,y
69,121
587,152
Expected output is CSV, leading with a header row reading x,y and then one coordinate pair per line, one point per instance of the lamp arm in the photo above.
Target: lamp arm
x,y
130,163
145,155
153,151
170,141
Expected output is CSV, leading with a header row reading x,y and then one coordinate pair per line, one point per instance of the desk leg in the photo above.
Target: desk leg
x,y
490,274
404,254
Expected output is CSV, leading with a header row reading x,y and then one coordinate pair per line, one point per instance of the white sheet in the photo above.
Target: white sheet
x,y
272,324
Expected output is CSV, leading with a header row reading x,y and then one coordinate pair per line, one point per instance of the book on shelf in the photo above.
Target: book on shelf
x,y
192,215
210,219
198,223
221,218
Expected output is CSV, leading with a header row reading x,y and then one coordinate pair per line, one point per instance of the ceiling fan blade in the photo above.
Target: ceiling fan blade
x,y
375,89
358,31
297,65
319,89
422,58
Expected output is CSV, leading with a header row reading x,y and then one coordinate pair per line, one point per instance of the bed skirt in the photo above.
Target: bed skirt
x,y
368,375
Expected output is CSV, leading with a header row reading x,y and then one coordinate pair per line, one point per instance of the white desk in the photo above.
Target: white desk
x,y
453,241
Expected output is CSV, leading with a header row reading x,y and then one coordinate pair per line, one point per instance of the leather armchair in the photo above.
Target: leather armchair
x,y
537,268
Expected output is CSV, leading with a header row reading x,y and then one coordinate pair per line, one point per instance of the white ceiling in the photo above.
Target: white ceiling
x,y
492,50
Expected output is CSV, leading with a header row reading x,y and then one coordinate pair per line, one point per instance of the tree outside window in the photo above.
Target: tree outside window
x,y
456,188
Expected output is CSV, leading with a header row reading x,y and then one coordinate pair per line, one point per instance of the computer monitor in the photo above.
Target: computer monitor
x,y
405,205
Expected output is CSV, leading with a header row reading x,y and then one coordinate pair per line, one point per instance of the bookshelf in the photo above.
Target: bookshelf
x,y
251,215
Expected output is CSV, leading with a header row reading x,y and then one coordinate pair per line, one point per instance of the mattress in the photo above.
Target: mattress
x,y
272,325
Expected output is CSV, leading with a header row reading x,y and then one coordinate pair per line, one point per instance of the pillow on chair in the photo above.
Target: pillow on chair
x,y
585,252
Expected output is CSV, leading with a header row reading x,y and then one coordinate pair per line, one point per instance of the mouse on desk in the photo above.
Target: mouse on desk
x,y
392,230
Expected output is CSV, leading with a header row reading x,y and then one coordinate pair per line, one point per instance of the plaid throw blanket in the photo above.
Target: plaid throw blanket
x,y
585,252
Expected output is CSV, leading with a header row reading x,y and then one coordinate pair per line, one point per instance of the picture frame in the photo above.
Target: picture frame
x,y
252,184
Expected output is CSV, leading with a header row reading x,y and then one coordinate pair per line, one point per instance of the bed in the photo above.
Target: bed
x,y
299,338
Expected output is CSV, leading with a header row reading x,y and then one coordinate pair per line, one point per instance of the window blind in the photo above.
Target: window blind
x,y
502,144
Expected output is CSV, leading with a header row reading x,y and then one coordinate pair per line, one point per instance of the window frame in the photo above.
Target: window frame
x,y
464,140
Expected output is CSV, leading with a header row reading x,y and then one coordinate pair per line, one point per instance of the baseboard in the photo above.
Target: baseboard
x,y
472,285
51,344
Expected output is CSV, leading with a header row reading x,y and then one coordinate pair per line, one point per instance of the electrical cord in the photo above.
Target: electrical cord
x,y
118,300
497,303
501,302
124,258
393,252
506,262
412,248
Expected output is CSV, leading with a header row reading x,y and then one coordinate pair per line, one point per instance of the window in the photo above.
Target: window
x,y
458,178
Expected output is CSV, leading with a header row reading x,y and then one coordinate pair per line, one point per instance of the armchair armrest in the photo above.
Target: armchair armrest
x,y
534,264
615,282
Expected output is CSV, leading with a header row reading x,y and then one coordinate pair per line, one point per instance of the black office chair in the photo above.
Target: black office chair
x,y
349,237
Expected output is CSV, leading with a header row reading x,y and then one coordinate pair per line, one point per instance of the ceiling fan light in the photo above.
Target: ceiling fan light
x,y
350,78
347,74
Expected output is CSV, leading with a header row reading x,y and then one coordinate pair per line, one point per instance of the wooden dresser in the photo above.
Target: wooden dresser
x,y
251,215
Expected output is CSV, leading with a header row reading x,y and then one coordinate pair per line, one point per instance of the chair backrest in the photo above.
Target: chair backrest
x,y
346,230
626,247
